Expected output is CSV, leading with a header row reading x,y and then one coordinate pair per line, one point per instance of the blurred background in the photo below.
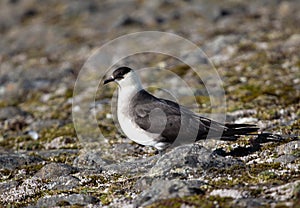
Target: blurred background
x,y
43,45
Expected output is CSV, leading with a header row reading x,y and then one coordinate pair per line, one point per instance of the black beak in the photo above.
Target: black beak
x,y
111,79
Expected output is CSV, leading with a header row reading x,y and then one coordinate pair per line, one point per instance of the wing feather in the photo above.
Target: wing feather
x,y
174,119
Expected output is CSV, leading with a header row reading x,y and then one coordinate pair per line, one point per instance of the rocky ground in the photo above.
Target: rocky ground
x,y
43,163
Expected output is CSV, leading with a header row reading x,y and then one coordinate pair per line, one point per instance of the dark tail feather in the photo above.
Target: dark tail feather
x,y
229,125
233,131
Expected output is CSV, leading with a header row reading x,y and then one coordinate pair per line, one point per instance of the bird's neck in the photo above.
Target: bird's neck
x,y
128,88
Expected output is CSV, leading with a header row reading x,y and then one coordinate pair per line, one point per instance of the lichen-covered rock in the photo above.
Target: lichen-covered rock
x,y
66,200
53,170
10,111
61,143
138,166
168,189
63,183
20,192
184,162
90,159
12,161
190,156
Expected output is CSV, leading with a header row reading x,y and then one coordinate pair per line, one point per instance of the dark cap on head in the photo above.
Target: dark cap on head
x,y
118,74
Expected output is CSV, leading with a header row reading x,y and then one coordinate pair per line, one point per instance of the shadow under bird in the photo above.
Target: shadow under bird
x,y
158,122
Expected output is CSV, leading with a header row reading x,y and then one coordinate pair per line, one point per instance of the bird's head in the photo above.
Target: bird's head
x,y
124,76
118,75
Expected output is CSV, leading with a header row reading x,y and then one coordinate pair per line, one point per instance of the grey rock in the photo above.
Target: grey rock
x,y
182,162
195,57
78,7
10,111
50,154
11,13
14,160
216,46
28,188
54,170
168,189
293,41
139,166
60,142
282,192
252,202
29,39
63,183
5,186
288,148
38,125
64,200
190,156
233,116
90,159
232,193
285,159
122,150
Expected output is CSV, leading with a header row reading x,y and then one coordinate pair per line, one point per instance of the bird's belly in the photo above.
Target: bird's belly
x,y
134,132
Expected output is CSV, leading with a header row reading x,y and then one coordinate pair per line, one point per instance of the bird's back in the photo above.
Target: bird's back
x,y
176,123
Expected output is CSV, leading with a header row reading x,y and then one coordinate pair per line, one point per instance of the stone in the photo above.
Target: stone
x,y
90,160
65,200
183,162
63,183
286,159
51,155
54,170
10,112
61,142
236,194
167,189
252,202
11,161
283,192
28,188
288,148
190,156
139,166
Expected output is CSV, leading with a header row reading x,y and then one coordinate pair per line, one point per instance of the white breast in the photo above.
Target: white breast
x,y
129,127
132,130
128,87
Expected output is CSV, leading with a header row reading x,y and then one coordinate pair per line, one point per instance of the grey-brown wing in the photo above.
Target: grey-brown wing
x,y
165,117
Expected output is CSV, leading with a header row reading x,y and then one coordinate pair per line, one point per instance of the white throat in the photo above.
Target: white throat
x,y
128,87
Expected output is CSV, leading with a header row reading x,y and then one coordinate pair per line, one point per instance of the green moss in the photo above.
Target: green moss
x,y
267,175
51,133
3,104
31,169
64,158
203,101
193,201
8,143
180,70
5,174
246,46
69,93
251,91
256,192
106,199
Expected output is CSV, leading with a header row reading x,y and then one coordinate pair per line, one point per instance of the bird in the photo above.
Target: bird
x,y
152,121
